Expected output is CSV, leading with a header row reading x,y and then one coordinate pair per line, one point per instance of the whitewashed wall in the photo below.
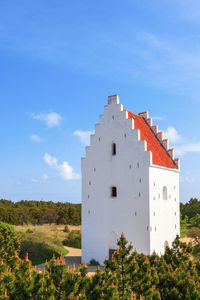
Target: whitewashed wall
x,y
164,214
103,216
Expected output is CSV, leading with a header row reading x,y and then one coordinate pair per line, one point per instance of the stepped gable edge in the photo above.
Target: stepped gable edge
x,y
160,155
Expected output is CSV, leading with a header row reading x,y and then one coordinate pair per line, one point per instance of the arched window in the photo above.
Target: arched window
x,y
164,193
113,149
113,191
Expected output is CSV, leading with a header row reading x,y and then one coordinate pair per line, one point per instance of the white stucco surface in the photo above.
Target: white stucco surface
x,y
134,211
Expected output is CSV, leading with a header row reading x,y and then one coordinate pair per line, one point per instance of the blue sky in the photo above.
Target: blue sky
x,y
59,60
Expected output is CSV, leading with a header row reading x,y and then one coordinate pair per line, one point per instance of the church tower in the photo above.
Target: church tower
x,y
130,184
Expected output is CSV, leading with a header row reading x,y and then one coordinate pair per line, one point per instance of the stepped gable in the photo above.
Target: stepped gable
x,y
160,155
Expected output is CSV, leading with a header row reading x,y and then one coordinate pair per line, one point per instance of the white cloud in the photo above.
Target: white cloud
x,y
64,170
43,179
186,148
171,134
18,183
35,180
51,119
35,138
84,136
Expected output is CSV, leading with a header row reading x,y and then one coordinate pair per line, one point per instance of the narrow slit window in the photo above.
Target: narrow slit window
x,y
164,193
113,191
113,149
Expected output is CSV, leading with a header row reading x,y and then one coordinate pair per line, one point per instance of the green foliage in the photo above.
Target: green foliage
x,y
9,242
38,252
184,230
190,209
39,212
195,221
94,262
29,231
129,275
66,229
73,239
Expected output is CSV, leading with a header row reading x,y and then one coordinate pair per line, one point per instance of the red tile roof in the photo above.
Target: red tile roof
x,y
159,153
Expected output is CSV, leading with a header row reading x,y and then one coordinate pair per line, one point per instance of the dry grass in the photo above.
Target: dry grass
x,y
43,240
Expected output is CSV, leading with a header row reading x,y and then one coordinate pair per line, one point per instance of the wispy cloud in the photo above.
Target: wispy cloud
x,y
84,136
64,170
35,138
51,119
187,148
172,134
42,179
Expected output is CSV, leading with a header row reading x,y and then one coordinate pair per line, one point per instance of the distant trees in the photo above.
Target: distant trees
x,y
39,212
190,208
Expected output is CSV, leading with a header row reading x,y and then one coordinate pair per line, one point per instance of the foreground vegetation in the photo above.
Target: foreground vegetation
x,y
39,212
128,275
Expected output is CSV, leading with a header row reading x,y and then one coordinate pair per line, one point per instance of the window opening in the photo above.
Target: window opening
x,y
113,191
164,193
113,149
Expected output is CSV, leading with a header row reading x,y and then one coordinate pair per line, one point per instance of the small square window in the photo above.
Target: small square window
x,y
89,182
138,165
130,166
135,213
113,117
125,135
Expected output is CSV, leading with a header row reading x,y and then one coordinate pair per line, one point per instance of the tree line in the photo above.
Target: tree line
x,y
190,209
39,212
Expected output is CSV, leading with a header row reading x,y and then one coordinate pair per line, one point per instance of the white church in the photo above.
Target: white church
x,y
130,184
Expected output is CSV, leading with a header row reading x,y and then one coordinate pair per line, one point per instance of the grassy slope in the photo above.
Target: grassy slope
x,y
184,230
42,241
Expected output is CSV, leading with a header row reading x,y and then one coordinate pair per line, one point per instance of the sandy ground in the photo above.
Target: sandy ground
x,y
187,240
73,258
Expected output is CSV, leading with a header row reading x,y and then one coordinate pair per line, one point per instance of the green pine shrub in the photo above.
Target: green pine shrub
x,y
94,262
9,241
73,239
128,275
